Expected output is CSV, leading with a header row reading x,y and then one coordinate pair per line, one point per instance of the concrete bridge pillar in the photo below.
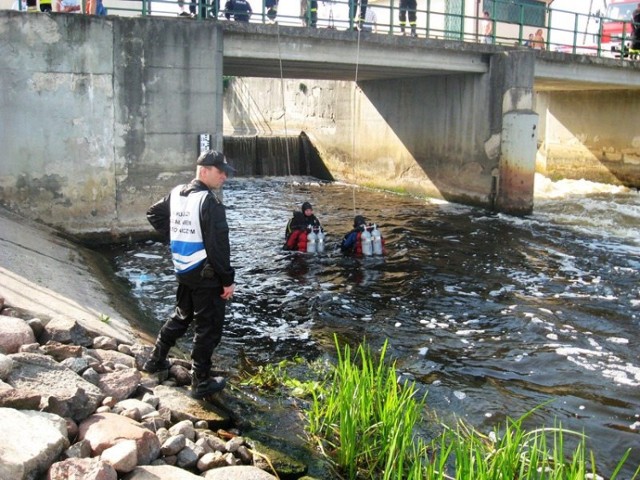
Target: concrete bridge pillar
x,y
515,124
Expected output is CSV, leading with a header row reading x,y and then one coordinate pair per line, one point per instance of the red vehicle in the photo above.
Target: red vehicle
x,y
618,17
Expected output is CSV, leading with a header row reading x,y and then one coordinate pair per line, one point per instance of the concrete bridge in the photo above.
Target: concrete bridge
x,y
102,115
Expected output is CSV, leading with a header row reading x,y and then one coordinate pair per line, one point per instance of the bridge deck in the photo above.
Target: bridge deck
x,y
256,50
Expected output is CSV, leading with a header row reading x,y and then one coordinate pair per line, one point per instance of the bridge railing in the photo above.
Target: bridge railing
x,y
512,23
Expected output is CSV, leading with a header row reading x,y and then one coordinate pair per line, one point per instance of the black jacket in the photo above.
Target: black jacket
x,y
299,221
240,9
215,233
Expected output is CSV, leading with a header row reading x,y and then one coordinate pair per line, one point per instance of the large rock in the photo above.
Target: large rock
x,y
130,403
160,472
17,398
6,365
120,384
104,356
285,465
68,330
82,468
183,407
238,473
31,442
61,390
104,430
14,332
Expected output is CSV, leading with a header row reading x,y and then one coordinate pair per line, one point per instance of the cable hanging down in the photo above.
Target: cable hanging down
x,y
353,126
284,105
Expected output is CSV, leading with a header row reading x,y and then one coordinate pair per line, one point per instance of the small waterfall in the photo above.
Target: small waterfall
x,y
267,156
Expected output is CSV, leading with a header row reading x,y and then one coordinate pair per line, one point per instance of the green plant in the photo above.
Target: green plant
x,y
104,318
366,419
277,377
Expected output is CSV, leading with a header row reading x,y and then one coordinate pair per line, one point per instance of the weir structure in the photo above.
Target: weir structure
x,y
103,115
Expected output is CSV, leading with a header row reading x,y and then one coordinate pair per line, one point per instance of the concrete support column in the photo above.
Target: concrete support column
x,y
513,131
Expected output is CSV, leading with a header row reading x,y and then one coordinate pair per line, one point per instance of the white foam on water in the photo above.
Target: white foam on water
x,y
460,395
618,340
150,256
610,366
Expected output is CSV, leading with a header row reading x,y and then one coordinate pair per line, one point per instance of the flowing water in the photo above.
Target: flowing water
x,y
492,315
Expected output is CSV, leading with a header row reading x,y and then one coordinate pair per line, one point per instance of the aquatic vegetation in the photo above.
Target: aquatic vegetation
x,y
365,422
277,378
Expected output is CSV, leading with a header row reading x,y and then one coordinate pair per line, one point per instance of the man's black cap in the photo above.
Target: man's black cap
x,y
306,206
213,158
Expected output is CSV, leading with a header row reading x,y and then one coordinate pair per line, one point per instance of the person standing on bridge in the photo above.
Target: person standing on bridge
x,y
487,28
358,22
272,9
240,9
408,8
193,219
370,21
538,40
309,13
635,37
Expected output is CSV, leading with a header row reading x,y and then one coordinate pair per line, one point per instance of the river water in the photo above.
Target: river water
x,y
492,315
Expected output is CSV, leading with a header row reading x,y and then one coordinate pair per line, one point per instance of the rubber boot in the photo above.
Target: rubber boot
x,y
157,361
202,385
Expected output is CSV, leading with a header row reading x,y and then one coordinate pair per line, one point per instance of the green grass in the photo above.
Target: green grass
x,y
364,422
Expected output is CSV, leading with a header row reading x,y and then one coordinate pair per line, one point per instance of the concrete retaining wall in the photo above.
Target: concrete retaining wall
x,y
590,135
101,116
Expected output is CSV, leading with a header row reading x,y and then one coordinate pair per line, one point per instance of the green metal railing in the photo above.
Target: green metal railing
x,y
512,21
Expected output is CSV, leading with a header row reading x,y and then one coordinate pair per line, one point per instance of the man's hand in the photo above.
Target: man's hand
x,y
227,292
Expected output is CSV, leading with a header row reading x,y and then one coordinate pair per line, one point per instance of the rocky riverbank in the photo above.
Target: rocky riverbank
x,y
74,402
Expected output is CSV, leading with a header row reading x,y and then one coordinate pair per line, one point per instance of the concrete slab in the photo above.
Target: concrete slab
x,y
51,277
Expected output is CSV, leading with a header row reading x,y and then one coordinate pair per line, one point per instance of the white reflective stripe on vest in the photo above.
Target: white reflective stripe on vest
x,y
187,245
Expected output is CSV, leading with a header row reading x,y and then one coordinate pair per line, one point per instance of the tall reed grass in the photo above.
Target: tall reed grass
x,y
365,423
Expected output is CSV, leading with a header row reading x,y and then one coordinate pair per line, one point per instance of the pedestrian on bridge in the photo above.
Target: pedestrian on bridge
x,y
408,8
357,22
487,28
309,13
240,9
538,40
272,9
635,37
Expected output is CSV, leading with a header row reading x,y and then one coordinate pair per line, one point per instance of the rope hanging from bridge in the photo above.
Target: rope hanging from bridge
x,y
284,105
353,126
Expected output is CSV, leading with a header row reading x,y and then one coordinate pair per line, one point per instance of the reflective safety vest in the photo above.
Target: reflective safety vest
x,y
187,244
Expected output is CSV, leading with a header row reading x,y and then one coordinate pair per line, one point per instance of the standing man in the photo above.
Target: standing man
x,y
272,9
487,28
635,36
353,9
240,9
408,7
193,219
370,21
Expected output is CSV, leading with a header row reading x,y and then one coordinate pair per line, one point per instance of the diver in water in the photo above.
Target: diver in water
x,y
363,239
300,224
